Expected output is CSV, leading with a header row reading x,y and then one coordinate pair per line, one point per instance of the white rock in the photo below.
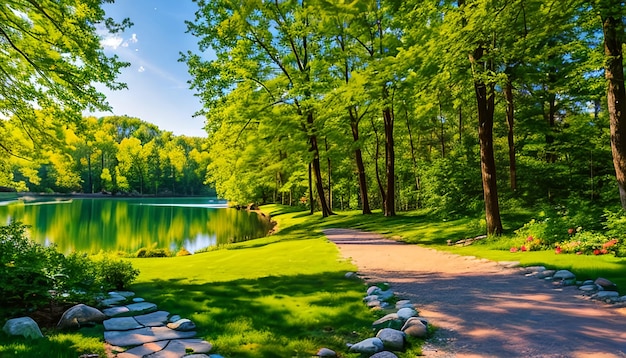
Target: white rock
x,y
406,313
563,275
23,326
368,346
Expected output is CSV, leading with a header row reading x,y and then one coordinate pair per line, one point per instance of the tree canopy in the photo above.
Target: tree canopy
x,y
419,100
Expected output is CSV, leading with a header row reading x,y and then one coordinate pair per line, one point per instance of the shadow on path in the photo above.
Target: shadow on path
x,y
483,309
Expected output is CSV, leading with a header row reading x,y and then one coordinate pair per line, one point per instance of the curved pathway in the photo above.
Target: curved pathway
x,y
483,309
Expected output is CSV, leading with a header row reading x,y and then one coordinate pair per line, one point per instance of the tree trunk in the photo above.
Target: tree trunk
x,y
311,201
390,202
317,170
358,157
613,28
485,99
510,119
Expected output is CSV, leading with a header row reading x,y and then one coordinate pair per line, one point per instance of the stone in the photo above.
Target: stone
x,y
546,274
182,324
113,300
174,318
404,304
139,336
564,275
325,352
588,288
373,290
415,327
154,319
370,298
393,339
351,275
115,311
121,324
197,345
606,294
138,299
22,326
385,295
172,349
384,354
368,346
535,268
406,313
374,303
389,321
79,315
127,294
605,284
141,307
143,350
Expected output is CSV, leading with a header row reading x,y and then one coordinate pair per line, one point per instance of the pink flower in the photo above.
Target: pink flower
x,y
523,248
579,253
513,249
529,239
557,250
571,231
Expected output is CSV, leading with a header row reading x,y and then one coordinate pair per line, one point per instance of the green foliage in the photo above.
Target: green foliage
x,y
34,275
113,273
152,252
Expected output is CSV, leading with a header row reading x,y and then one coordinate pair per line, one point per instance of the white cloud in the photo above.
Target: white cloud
x,y
141,69
111,41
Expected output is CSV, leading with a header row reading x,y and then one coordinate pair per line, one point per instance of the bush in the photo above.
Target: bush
x,y
114,274
34,275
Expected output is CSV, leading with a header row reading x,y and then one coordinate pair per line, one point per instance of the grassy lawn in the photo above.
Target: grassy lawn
x,y
286,295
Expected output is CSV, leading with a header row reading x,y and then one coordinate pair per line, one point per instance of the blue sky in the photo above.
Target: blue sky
x,y
157,83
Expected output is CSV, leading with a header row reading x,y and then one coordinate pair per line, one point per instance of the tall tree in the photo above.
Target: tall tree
x,y
270,44
612,16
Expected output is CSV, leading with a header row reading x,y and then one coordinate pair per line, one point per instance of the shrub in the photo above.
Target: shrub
x,y
34,275
114,274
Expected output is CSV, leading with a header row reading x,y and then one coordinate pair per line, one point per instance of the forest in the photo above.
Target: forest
x,y
112,155
455,106
458,107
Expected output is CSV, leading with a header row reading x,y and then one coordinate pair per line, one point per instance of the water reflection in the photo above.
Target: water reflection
x,y
91,225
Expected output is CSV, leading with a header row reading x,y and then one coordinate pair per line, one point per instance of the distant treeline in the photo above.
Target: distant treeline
x,y
116,154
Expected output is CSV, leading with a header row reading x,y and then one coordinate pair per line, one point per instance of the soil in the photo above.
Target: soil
x,y
482,309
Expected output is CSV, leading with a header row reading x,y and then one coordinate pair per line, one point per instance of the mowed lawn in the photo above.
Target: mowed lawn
x,y
281,296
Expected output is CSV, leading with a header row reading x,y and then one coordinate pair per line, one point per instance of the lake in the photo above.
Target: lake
x,y
128,224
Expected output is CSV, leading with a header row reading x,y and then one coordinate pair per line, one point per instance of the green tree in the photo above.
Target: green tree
x,y
50,60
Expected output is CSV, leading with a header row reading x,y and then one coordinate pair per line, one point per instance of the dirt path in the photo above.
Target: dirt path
x,y
483,309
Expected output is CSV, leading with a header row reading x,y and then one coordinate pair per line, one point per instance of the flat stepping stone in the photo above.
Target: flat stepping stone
x,y
115,311
114,300
126,294
143,350
175,348
197,345
153,319
121,324
141,307
140,336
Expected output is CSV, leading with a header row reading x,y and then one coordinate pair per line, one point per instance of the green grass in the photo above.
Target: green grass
x,y
286,295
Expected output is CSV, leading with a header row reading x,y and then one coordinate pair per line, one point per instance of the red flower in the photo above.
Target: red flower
x,y
530,238
513,249
596,252
557,250
523,248
571,231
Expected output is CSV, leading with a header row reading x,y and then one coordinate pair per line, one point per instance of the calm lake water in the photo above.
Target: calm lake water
x,y
91,225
